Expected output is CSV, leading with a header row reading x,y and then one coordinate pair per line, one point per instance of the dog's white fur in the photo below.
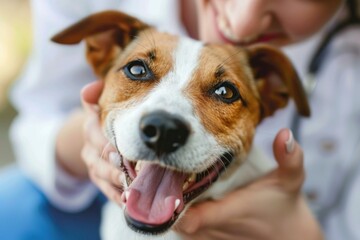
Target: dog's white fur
x,y
200,150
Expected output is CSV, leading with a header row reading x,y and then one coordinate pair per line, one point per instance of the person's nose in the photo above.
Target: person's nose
x,y
248,19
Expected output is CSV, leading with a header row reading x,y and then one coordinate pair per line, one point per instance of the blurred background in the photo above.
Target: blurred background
x,y
15,44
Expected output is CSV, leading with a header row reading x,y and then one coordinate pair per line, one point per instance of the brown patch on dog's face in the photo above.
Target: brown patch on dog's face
x,y
153,49
232,123
264,79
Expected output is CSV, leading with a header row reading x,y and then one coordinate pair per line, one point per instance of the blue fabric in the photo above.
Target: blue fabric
x,y
25,213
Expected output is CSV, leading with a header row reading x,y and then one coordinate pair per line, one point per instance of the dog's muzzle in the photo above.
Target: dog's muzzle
x,y
158,192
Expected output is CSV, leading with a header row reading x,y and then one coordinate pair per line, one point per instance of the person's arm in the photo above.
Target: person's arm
x,y
270,208
47,94
69,142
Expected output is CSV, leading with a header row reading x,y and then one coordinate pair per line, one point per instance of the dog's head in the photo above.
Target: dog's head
x,y
179,111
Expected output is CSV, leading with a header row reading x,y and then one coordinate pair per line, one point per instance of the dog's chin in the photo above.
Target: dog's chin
x,y
157,195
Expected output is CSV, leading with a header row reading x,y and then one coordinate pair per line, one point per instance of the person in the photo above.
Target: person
x,y
53,133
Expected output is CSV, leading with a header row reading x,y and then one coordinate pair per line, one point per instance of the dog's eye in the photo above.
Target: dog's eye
x,y
226,92
138,70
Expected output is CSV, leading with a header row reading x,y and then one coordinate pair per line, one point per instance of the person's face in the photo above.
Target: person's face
x,y
279,22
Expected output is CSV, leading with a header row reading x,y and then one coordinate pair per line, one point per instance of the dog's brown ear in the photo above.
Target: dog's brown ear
x,y
276,80
106,34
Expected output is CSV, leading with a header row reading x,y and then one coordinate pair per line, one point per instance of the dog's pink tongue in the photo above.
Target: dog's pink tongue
x,y
153,194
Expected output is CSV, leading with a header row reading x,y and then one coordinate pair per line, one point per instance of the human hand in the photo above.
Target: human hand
x,y
269,208
98,153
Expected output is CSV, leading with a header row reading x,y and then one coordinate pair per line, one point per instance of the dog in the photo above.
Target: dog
x,y
182,115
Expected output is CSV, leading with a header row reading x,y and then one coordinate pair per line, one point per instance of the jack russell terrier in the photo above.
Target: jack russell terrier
x,y
181,113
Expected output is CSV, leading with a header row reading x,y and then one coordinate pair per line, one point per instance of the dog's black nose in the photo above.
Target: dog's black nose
x,y
163,132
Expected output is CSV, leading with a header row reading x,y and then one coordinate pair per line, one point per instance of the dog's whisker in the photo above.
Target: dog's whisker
x,y
226,164
213,168
231,57
152,40
223,163
138,42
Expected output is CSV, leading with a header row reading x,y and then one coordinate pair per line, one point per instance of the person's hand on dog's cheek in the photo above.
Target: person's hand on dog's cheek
x,y
269,208
98,153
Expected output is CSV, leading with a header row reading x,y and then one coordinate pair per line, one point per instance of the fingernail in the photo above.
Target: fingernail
x,y
114,158
290,143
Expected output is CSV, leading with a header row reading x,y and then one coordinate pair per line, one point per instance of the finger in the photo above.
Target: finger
x,y
113,193
289,156
90,94
101,168
109,173
93,132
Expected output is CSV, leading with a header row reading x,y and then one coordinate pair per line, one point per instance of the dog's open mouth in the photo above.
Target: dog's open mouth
x,y
157,195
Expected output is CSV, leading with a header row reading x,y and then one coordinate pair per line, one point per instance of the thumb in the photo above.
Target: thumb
x,y
289,157
90,95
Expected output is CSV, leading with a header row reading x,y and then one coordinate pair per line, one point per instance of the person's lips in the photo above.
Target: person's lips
x,y
269,37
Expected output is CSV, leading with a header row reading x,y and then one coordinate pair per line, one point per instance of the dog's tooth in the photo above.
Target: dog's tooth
x,y
186,185
138,166
177,203
192,178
